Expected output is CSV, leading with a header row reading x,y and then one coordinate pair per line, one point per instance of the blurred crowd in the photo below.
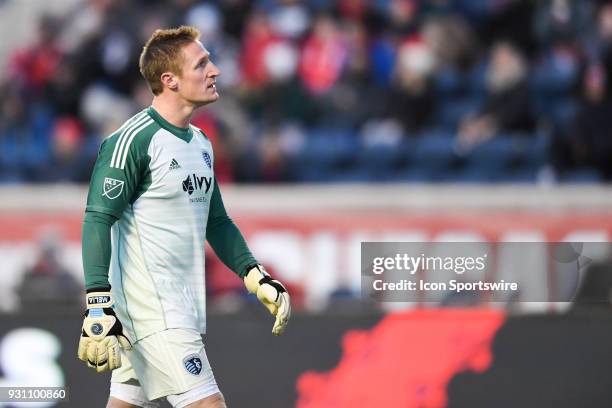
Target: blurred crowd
x,y
346,90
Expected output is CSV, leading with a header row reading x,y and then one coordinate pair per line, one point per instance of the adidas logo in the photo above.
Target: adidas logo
x,y
174,165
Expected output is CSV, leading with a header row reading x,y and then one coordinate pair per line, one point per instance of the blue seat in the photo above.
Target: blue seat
x,y
451,111
327,145
411,175
382,161
533,151
584,175
325,151
493,157
353,174
553,76
477,78
470,175
563,111
522,175
310,174
449,82
14,175
433,155
513,158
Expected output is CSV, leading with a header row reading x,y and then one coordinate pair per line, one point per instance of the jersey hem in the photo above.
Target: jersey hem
x,y
184,327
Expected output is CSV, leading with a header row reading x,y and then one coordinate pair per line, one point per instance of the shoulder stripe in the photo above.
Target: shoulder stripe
x,y
123,137
121,140
129,142
126,124
131,120
124,129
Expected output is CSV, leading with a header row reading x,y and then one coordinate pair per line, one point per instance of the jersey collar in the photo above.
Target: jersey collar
x,y
182,133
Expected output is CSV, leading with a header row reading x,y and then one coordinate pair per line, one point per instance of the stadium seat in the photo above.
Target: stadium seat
x,y
382,161
477,78
581,176
451,111
434,155
412,175
493,156
353,174
532,150
449,82
325,151
554,75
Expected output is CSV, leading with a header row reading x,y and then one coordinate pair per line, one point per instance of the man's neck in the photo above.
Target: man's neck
x,y
178,114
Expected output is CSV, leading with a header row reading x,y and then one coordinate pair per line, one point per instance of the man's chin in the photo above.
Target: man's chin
x,y
208,100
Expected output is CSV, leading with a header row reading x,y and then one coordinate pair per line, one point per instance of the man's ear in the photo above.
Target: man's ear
x,y
169,80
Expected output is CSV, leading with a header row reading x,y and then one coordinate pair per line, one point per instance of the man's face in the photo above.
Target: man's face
x,y
197,82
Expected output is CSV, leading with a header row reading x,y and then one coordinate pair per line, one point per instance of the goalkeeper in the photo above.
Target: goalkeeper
x,y
153,201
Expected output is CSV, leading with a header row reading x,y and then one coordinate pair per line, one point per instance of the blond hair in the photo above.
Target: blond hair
x,y
163,53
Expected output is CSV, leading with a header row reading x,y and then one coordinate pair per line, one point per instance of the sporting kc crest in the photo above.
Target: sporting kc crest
x,y
112,188
193,364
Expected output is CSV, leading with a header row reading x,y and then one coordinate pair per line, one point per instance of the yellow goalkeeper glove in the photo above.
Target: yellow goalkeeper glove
x,y
102,334
272,294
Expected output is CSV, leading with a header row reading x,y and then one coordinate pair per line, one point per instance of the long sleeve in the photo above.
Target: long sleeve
x,y
113,186
225,238
96,247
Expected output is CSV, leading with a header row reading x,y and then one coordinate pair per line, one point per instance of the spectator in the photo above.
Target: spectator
x,y
452,41
67,163
411,100
507,103
47,285
588,142
603,40
323,56
346,107
385,69
402,16
24,135
34,66
64,88
258,36
561,21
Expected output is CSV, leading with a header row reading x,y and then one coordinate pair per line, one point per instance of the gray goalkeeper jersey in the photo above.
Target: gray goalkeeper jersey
x,y
158,180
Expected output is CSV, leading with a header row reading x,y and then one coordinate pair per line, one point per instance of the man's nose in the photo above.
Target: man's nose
x,y
214,70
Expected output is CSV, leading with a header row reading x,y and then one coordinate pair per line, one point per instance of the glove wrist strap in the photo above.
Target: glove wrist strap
x,y
99,300
254,278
